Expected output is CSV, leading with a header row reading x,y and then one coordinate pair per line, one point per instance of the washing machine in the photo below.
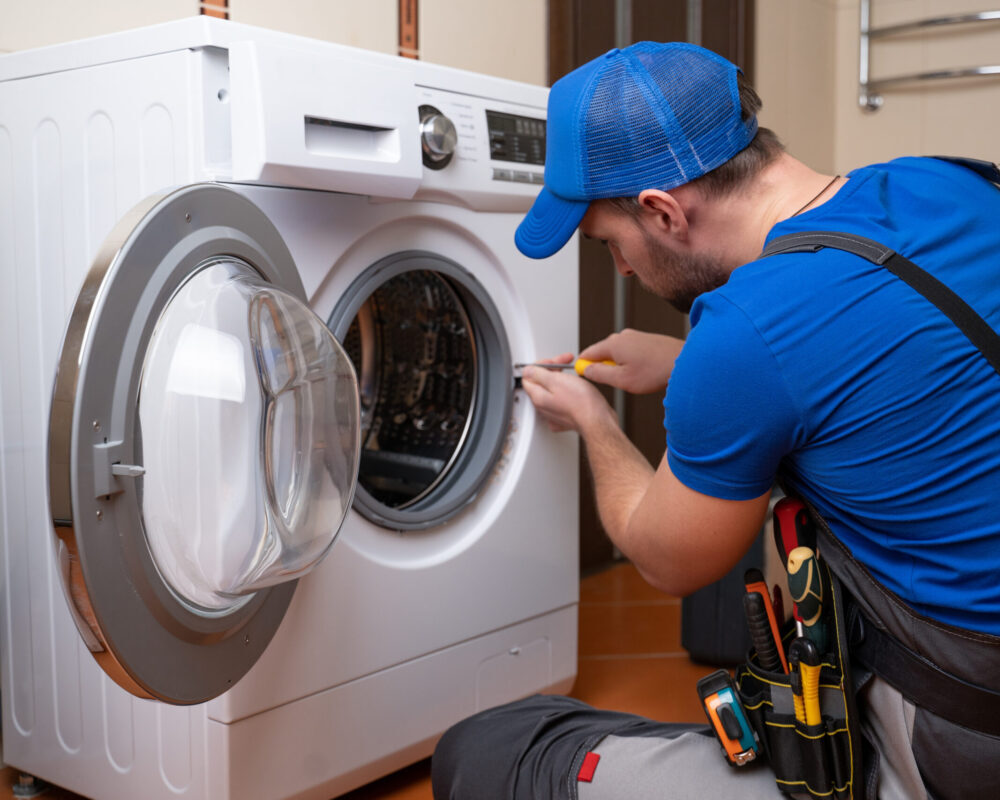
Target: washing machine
x,y
274,513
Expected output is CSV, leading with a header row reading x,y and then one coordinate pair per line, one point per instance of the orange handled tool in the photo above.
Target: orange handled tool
x,y
753,579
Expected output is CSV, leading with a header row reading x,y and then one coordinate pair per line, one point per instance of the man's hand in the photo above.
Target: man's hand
x,y
564,400
643,361
678,538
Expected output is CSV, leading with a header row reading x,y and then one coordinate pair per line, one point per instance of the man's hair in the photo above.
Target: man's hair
x,y
737,171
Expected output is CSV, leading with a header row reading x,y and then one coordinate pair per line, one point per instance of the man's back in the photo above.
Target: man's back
x,y
877,407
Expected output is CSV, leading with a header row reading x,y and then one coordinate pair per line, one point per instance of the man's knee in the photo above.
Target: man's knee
x,y
451,752
478,757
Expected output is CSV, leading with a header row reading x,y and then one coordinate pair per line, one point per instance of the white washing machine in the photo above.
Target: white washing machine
x,y
182,437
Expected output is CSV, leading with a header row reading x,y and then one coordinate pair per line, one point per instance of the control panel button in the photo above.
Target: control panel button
x,y
502,174
438,137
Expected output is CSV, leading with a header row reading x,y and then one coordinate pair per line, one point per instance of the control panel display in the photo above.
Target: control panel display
x,y
514,138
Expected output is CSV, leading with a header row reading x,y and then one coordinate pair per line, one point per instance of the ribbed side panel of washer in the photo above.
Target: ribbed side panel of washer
x,y
77,150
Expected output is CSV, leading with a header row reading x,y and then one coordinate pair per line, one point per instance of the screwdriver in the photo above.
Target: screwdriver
x,y
805,584
579,366
792,527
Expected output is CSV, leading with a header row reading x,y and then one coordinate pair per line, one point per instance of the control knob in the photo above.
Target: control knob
x,y
438,137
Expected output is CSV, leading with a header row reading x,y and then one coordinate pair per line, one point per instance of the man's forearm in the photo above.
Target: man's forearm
x,y
621,476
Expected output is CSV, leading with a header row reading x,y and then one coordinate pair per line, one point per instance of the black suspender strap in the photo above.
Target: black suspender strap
x,y
985,339
985,169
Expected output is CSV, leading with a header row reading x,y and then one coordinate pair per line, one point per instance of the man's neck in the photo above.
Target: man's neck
x,y
737,225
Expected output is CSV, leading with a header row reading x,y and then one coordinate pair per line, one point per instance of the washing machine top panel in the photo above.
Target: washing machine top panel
x,y
272,108
204,444
208,32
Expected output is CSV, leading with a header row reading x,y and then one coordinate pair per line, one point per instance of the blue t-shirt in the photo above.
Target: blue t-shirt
x,y
870,401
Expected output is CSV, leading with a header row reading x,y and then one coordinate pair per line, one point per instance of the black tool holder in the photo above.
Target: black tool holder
x,y
823,760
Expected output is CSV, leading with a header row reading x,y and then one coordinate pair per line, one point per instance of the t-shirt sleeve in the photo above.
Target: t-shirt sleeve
x,y
729,414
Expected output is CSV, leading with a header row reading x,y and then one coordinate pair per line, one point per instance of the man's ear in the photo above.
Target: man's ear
x,y
664,212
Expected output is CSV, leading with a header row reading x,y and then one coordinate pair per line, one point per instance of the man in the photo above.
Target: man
x,y
821,368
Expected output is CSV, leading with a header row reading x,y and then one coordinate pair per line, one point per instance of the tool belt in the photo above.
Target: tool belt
x,y
817,750
937,667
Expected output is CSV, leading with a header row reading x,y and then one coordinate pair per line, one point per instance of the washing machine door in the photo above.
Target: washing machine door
x,y
203,444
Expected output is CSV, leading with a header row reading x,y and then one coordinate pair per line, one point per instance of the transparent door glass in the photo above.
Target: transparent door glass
x,y
249,416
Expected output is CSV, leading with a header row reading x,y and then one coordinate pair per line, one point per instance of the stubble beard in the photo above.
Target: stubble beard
x,y
680,279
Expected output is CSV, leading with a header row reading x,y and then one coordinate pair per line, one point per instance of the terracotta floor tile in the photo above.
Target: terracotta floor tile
x,y
620,583
9,777
660,688
412,783
629,629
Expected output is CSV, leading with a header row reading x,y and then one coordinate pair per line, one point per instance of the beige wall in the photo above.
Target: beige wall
x,y
42,22
949,117
807,73
795,72
370,24
507,38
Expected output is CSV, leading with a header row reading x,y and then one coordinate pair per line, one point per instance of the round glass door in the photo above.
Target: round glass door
x,y
204,444
240,392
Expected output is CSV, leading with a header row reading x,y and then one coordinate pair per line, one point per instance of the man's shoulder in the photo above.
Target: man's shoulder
x,y
787,281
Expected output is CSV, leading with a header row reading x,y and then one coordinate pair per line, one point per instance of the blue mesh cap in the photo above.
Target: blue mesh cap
x,y
651,116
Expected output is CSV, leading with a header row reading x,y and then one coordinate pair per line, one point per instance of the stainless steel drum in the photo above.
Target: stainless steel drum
x,y
435,378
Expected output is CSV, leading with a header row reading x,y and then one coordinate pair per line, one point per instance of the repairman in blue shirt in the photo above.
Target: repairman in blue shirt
x,y
823,369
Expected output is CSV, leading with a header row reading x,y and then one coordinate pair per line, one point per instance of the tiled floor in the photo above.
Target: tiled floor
x,y
630,660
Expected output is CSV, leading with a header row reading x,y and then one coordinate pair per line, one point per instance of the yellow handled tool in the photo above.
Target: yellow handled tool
x,y
806,668
578,366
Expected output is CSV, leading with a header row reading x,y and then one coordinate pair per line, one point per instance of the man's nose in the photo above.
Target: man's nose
x,y
623,267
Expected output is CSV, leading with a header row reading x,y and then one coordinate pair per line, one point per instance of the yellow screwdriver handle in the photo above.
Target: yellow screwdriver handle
x,y
581,364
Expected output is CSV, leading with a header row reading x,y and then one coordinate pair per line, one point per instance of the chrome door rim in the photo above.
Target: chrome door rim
x,y
141,634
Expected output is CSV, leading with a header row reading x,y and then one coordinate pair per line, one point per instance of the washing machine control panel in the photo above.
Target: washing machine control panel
x,y
484,153
516,138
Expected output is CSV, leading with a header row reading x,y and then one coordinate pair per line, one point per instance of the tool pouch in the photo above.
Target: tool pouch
x,y
824,760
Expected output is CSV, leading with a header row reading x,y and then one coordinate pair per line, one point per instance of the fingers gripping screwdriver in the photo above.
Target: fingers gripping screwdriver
x,y
579,366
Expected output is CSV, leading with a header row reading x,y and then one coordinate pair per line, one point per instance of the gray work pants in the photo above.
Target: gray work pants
x,y
537,749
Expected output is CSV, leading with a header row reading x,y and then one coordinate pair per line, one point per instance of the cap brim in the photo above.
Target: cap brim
x,y
549,224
